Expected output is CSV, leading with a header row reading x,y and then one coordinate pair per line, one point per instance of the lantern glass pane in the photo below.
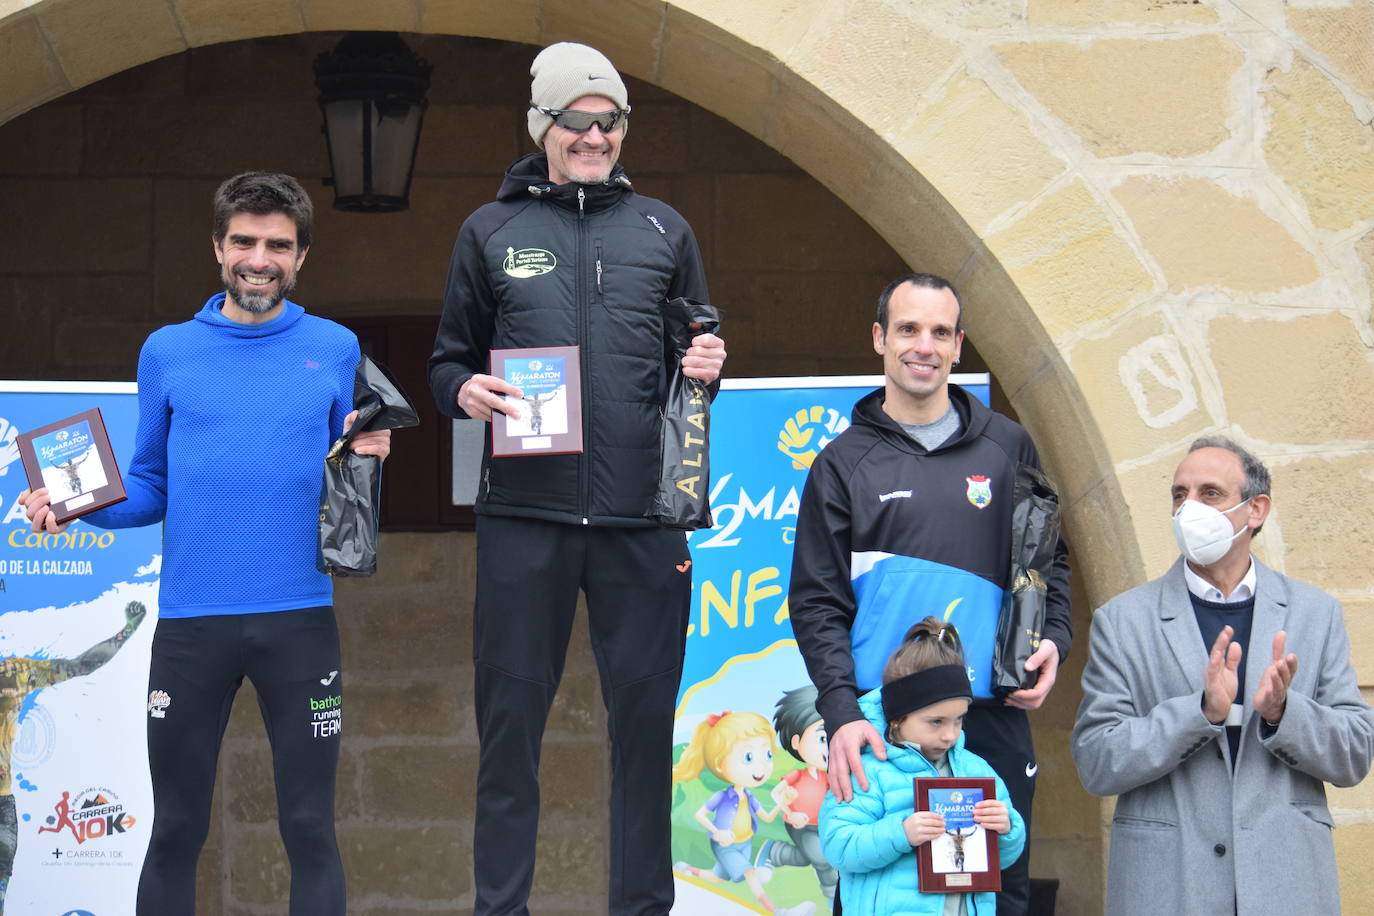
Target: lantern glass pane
x,y
395,132
343,119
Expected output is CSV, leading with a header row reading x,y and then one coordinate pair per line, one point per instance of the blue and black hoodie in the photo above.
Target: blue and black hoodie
x,y
889,533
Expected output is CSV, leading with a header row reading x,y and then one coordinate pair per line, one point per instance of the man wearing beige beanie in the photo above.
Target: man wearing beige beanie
x,y
570,255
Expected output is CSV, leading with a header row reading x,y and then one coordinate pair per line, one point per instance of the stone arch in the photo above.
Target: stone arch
x,y
826,85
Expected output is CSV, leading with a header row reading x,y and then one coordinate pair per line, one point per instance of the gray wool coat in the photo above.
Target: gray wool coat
x,y
1189,835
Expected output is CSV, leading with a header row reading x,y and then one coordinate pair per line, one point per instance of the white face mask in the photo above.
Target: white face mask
x,y
1204,534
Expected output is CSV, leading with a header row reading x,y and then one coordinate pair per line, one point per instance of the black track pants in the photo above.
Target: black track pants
x,y
638,587
292,658
1002,737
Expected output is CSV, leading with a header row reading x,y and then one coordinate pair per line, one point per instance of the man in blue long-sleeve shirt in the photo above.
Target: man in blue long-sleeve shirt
x,y
237,408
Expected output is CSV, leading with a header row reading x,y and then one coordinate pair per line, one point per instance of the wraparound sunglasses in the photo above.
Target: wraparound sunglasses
x,y
581,121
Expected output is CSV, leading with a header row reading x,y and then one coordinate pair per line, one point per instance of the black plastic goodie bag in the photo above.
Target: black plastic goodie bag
x,y
351,492
1034,536
684,485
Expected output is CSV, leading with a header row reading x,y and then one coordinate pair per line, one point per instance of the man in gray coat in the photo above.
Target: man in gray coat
x,y
1220,764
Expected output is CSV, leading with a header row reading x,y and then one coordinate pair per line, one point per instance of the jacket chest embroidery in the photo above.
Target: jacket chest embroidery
x,y
528,262
979,491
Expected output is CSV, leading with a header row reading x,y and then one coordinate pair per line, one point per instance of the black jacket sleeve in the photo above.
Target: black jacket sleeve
x,y
820,599
462,346
689,277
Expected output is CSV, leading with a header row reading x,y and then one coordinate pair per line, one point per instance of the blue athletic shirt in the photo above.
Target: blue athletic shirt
x,y
234,422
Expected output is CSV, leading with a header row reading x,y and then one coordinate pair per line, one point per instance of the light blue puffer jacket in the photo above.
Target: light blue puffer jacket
x,y
865,841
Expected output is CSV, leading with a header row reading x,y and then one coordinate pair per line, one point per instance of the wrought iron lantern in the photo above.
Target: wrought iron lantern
x,y
372,94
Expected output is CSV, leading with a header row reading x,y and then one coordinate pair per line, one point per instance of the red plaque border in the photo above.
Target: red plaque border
x,y
933,882
91,500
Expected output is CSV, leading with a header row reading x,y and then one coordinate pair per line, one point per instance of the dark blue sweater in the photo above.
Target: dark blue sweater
x,y
234,423
1211,617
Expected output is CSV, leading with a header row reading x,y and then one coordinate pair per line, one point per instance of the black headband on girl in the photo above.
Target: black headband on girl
x,y
924,688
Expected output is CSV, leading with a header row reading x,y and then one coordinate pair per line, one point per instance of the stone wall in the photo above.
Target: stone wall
x,y
406,777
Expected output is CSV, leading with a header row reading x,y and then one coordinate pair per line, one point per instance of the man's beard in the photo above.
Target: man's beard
x,y
593,180
249,299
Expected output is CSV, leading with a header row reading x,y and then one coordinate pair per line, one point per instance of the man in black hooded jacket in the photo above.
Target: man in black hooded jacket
x,y
569,255
906,514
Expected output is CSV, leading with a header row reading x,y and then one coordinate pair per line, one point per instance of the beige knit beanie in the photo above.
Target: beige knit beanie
x,y
565,72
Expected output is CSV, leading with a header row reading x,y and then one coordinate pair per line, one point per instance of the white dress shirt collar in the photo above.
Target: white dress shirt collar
x,y
1205,590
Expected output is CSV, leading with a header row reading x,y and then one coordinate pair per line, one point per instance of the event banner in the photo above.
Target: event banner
x,y
77,612
744,677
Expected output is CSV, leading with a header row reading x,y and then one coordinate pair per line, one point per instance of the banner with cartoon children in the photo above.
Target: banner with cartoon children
x,y
750,748
77,612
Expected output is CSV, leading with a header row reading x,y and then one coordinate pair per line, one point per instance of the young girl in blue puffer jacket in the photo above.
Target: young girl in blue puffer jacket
x,y
872,839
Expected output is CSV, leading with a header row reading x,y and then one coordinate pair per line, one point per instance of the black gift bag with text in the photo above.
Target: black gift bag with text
x,y
683,497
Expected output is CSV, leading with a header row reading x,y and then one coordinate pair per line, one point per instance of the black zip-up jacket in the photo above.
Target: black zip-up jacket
x,y
550,265
875,491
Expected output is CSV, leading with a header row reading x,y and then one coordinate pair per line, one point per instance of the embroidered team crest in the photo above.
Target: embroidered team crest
x,y
979,491
528,262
